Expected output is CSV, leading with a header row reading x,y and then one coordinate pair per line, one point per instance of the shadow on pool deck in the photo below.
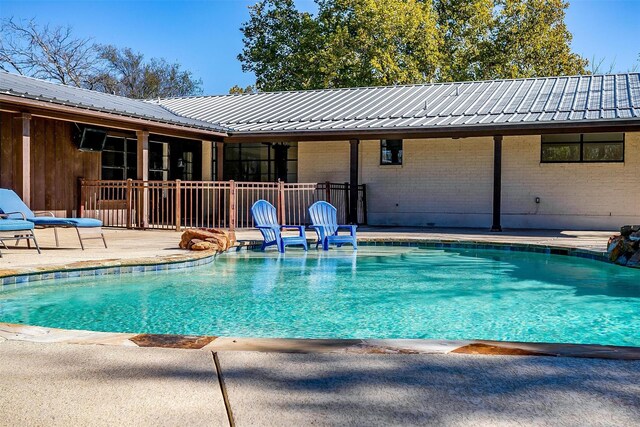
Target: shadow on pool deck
x,y
62,384
332,389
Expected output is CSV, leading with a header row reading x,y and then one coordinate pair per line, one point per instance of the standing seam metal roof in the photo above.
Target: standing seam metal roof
x,y
54,93
517,101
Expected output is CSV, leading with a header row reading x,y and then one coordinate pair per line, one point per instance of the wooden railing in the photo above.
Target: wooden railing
x,y
212,204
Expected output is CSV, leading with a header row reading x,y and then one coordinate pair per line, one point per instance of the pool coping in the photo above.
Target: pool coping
x,y
19,332
38,334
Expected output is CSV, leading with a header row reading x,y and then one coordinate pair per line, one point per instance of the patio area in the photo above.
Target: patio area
x,y
127,247
66,384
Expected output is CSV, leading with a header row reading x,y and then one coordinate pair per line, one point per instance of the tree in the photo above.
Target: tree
x,y
532,40
380,42
47,53
376,42
467,28
55,54
238,90
278,41
125,73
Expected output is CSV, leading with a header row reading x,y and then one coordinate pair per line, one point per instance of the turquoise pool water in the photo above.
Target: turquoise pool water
x,y
378,293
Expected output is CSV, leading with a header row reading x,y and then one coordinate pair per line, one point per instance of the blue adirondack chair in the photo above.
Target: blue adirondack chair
x,y
13,207
324,220
17,229
265,219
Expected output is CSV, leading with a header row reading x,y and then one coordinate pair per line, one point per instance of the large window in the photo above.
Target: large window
x,y
119,158
588,147
390,151
261,162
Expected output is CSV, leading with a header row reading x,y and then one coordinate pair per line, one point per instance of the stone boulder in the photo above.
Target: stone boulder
x,y
624,249
203,239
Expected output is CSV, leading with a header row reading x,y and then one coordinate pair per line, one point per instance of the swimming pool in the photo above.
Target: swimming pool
x,y
380,292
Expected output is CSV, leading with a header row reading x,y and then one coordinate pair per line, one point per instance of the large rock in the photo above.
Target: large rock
x,y
624,249
202,239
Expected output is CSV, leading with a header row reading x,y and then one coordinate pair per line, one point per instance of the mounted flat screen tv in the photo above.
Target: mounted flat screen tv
x,y
92,139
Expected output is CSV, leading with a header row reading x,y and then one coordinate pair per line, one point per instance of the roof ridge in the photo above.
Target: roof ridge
x,y
229,95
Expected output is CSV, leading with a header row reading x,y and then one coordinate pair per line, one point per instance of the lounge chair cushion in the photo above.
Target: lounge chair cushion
x,y
15,225
48,221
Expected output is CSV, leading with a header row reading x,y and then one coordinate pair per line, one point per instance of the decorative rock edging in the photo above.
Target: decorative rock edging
x,y
13,332
624,249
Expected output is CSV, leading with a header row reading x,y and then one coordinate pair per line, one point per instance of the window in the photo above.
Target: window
x,y
158,161
119,158
588,147
390,151
261,162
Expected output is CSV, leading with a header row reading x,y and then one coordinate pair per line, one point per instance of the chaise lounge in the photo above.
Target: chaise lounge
x,y
12,207
18,229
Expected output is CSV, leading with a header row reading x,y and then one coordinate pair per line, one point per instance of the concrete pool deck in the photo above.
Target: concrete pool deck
x,y
65,384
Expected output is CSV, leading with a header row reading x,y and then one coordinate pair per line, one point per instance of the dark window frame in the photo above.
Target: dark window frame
x,y
128,171
582,143
401,157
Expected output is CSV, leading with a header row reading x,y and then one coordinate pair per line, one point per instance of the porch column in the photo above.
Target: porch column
x,y
143,155
207,160
24,158
143,174
353,181
219,161
497,182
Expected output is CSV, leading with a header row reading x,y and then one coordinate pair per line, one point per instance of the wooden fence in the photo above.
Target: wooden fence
x,y
212,204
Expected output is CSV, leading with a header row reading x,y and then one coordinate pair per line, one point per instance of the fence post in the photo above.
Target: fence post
x,y
129,203
327,191
364,204
280,203
81,198
232,209
346,202
178,203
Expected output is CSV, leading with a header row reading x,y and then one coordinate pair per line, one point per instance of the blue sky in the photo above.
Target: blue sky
x,y
204,35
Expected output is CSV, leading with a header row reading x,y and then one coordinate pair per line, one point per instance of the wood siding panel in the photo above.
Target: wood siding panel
x,y
56,163
6,150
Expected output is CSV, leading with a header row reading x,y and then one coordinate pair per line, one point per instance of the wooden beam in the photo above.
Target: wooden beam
x,y
24,158
353,180
207,160
143,174
497,183
143,155
219,161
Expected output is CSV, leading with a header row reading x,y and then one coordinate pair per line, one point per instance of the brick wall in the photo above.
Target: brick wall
x,y
449,183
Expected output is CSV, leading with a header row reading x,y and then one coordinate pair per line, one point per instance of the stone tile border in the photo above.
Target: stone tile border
x,y
39,334
13,279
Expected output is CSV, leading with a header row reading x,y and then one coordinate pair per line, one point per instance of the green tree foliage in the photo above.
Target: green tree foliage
x,y
239,90
375,42
380,42
467,28
532,40
278,40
